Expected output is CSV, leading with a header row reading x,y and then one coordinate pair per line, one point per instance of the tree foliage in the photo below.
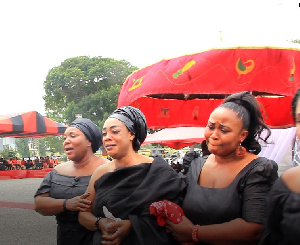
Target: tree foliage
x,y
54,144
22,147
8,153
296,41
84,85
42,143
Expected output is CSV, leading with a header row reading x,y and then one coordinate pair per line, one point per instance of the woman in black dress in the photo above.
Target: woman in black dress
x,y
62,191
283,219
226,196
128,184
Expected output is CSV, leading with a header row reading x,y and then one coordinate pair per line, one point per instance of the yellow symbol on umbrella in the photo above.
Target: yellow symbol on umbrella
x,y
136,83
185,68
292,72
244,68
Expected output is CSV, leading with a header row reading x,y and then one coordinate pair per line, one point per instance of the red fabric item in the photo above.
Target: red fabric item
x,y
164,210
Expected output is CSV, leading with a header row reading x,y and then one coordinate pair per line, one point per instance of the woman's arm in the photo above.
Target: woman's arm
x,y
87,218
112,231
116,232
233,232
46,205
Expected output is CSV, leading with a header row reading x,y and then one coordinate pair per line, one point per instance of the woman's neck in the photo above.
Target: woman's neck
x,y
127,160
232,159
82,163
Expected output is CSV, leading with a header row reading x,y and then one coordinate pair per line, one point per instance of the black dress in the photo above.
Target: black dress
x,y
128,192
283,216
60,186
244,198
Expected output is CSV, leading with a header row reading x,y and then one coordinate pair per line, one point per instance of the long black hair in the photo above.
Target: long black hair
x,y
247,109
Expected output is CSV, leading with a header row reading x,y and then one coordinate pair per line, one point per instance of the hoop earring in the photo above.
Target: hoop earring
x,y
240,151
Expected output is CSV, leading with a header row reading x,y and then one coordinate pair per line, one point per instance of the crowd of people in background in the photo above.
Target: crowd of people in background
x,y
178,163
36,162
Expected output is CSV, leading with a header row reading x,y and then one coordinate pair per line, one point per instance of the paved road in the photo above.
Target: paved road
x,y
19,224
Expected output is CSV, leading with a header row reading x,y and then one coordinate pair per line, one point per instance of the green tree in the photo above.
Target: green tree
x,y
42,142
296,41
97,106
8,153
55,144
81,85
22,147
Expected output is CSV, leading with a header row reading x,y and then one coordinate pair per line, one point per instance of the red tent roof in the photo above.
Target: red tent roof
x,y
29,125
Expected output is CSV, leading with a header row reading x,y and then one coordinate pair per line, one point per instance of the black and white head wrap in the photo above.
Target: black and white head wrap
x,y
90,130
135,121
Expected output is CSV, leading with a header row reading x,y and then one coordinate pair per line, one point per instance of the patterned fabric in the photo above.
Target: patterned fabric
x,y
164,210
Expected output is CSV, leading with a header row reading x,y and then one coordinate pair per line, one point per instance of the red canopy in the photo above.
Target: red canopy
x,y
183,91
29,125
176,138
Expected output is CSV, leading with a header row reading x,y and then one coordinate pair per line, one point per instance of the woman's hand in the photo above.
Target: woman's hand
x,y
79,203
117,231
182,231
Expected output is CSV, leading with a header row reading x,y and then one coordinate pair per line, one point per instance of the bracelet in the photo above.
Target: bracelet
x,y
65,205
97,223
195,233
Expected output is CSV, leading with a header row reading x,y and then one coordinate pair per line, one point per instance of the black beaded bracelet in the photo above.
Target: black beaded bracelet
x,y
65,205
97,223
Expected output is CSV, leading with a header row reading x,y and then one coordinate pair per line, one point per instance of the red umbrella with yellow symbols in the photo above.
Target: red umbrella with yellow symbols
x,y
183,91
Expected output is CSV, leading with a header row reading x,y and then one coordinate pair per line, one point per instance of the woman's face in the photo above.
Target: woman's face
x,y
224,132
297,113
75,143
117,139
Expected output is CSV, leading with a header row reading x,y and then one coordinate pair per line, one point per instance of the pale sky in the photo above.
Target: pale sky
x,y
38,35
